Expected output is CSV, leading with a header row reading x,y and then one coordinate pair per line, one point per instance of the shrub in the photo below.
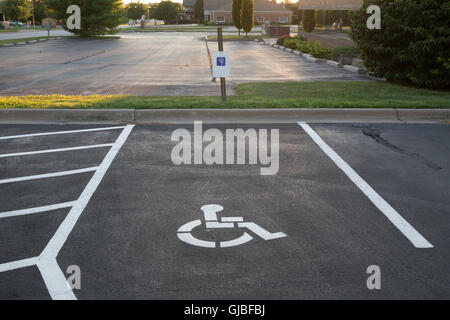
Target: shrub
x,y
413,44
314,49
335,53
281,39
290,43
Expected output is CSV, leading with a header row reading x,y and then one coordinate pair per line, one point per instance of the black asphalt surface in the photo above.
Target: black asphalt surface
x,y
126,244
154,64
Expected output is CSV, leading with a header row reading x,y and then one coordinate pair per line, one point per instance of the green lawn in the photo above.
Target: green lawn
x,y
237,37
258,95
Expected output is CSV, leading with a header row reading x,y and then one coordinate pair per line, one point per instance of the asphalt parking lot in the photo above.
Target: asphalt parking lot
x,y
111,201
166,63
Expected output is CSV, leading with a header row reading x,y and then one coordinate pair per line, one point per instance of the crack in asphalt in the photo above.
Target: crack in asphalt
x,y
376,135
89,56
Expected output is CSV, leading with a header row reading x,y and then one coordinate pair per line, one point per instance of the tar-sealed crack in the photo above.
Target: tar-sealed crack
x,y
376,135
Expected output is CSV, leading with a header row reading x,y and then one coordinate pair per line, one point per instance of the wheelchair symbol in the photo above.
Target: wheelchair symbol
x,y
221,61
211,222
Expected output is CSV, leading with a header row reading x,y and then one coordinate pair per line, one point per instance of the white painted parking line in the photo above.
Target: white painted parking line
x,y
8,266
55,244
59,132
55,280
396,219
23,212
55,150
48,175
46,262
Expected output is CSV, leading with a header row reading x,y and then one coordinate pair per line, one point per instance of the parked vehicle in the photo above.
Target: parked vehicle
x,y
15,24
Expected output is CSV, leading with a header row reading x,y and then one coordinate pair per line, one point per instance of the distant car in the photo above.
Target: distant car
x,y
15,24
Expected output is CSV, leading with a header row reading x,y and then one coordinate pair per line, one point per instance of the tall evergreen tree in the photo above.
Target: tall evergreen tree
x,y
309,20
199,13
236,13
98,17
247,20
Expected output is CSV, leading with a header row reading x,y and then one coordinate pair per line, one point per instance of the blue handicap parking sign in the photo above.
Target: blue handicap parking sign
x,y
221,61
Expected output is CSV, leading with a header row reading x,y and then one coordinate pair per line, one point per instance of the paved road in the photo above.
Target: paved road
x,y
146,64
125,237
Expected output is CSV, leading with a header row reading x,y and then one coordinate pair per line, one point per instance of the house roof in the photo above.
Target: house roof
x,y
260,5
330,4
189,3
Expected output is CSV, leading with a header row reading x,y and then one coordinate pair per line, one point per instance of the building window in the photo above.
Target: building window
x,y
260,18
220,18
283,19
206,17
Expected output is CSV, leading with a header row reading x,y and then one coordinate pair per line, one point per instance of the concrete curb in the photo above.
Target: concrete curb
x,y
21,43
175,116
310,58
334,63
353,69
423,114
65,115
263,115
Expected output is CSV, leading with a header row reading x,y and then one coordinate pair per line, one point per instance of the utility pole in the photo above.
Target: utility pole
x,y
223,88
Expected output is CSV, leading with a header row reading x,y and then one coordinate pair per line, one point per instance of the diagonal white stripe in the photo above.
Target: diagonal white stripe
x,y
59,132
397,220
55,150
22,212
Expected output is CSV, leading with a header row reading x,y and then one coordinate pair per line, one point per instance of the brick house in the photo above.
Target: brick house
x,y
330,4
220,11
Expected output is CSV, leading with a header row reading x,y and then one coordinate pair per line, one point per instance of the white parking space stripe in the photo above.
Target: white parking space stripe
x,y
55,280
48,175
397,220
18,264
55,150
59,132
55,244
22,212
52,274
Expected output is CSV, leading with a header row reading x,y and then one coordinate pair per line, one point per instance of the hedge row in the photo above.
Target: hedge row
x,y
300,44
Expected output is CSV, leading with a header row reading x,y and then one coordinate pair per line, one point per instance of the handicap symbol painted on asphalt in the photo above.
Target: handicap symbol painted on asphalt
x,y
212,222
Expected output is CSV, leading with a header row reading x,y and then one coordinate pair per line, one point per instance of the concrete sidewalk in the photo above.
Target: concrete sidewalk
x,y
174,116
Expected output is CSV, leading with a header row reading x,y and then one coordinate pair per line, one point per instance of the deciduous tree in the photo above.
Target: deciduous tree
x,y
135,10
18,10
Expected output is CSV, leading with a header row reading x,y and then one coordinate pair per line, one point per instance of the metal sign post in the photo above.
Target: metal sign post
x,y
48,26
223,88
